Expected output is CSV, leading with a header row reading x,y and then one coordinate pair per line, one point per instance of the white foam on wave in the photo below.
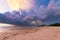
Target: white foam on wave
x,y
6,25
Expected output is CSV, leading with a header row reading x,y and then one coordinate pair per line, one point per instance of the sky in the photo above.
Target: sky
x,y
48,10
9,5
4,6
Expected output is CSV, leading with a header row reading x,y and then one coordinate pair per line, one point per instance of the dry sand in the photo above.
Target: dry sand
x,y
40,33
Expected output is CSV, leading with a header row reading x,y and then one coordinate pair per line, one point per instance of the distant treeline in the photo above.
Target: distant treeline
x,y
55,24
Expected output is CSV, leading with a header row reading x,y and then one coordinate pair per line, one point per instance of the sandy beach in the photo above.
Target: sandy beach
x,y
40,33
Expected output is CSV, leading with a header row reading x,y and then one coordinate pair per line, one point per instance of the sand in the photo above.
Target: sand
x,y
40,33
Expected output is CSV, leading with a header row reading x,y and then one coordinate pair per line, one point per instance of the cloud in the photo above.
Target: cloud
x,y
49,12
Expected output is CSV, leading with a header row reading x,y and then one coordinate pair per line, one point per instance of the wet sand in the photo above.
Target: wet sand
x,y
40,33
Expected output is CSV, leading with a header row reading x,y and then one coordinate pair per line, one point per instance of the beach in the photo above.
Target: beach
x,y
39,33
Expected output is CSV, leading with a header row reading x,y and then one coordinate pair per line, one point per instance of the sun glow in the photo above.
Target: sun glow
x,y
20,4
